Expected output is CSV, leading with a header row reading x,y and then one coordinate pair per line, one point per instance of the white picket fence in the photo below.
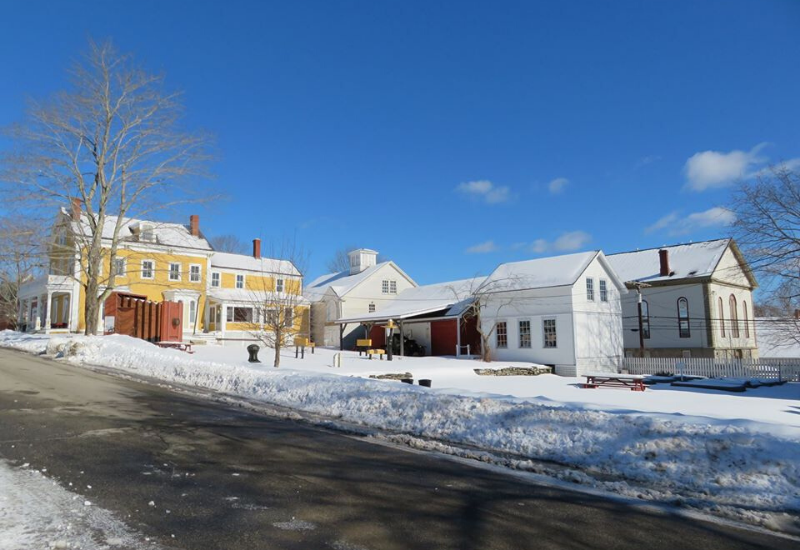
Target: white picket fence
x,y
765,368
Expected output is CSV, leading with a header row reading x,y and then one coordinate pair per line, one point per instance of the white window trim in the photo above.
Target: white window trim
x,y
496,323
236,281
152,270
588,280
199,272
219,279
385,286
603,283
519,333
280,287
544,337
124,267
180,271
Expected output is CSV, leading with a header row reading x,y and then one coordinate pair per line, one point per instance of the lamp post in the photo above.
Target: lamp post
x,y
389,344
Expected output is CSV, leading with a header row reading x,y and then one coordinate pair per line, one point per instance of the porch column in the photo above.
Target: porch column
x,y
402,344
48,312
223,318
458,336
341,336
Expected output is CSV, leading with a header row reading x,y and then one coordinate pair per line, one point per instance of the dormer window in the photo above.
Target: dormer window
x,y
279,285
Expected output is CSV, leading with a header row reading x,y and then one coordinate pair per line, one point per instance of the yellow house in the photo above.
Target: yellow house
x,y
224,296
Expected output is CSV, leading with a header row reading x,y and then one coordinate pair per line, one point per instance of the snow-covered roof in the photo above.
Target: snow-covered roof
x,y
451,298
165,234
242,295
539,273
778,337
342,282
687,261
245,262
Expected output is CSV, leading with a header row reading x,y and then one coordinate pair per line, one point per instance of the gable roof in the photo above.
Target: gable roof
x,y
451,298
544,272
342,282
686,261
245,262
165,234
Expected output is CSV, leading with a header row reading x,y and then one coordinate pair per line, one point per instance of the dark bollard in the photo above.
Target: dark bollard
x,y
425,382
252,349
407,380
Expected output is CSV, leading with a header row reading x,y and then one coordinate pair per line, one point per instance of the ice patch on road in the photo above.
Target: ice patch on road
x,y
36,512
295,525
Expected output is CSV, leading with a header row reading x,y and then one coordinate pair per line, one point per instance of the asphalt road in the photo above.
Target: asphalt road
x,y
231,479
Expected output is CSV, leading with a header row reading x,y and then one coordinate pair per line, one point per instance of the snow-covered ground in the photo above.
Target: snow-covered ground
x,y
36,512
734,455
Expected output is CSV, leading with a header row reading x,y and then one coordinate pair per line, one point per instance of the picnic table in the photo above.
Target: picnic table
x,y
182,346
633,381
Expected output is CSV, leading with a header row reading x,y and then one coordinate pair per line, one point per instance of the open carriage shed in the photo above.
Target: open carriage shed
x,y
432,316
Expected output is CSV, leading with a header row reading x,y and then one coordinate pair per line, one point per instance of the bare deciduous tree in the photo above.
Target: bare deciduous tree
x,y
280,313
228,243
479,294
768,231
114,142
22,257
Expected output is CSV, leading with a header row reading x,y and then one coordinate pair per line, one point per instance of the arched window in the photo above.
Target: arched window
x,y
683,318
734,316
721,313
744,318
645,319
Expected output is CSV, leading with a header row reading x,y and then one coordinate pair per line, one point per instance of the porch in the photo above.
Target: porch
x,y
48,305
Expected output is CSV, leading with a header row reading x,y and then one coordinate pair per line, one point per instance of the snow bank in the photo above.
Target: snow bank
x,y
723,468
35,512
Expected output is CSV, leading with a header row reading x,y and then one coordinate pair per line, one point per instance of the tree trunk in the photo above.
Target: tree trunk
x,y
91,309
277,362
486,352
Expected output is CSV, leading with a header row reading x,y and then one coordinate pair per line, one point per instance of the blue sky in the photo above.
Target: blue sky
x,y
452,136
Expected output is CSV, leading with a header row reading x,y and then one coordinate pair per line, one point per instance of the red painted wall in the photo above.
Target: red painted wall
x,y
444,337
378,336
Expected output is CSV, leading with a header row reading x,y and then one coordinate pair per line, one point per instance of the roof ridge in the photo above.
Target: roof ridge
x,y
668,246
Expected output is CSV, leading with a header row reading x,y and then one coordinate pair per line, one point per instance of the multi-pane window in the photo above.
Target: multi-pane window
x,y
194,273
683,318
279,285
240,281
215,279
603,290
242,315
721,313
734,316
271,317
372,307
229,314
549,330
119,267
174,272
525,334
589,289
501,335
645,319
148,267
385,286
392,287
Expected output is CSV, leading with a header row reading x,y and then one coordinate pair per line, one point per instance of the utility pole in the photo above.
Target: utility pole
x,y
638,285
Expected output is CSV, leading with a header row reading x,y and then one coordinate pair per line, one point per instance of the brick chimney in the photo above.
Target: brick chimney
x,y
256,248
663,258
77,206
194,225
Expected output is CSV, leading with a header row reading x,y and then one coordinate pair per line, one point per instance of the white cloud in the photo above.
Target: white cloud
x,y
666,221
557,185
713,169
540,246
482,248
566,242
717,216
485,191
572,241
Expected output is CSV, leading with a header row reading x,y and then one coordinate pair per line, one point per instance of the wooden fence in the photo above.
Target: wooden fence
x,y
765,368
